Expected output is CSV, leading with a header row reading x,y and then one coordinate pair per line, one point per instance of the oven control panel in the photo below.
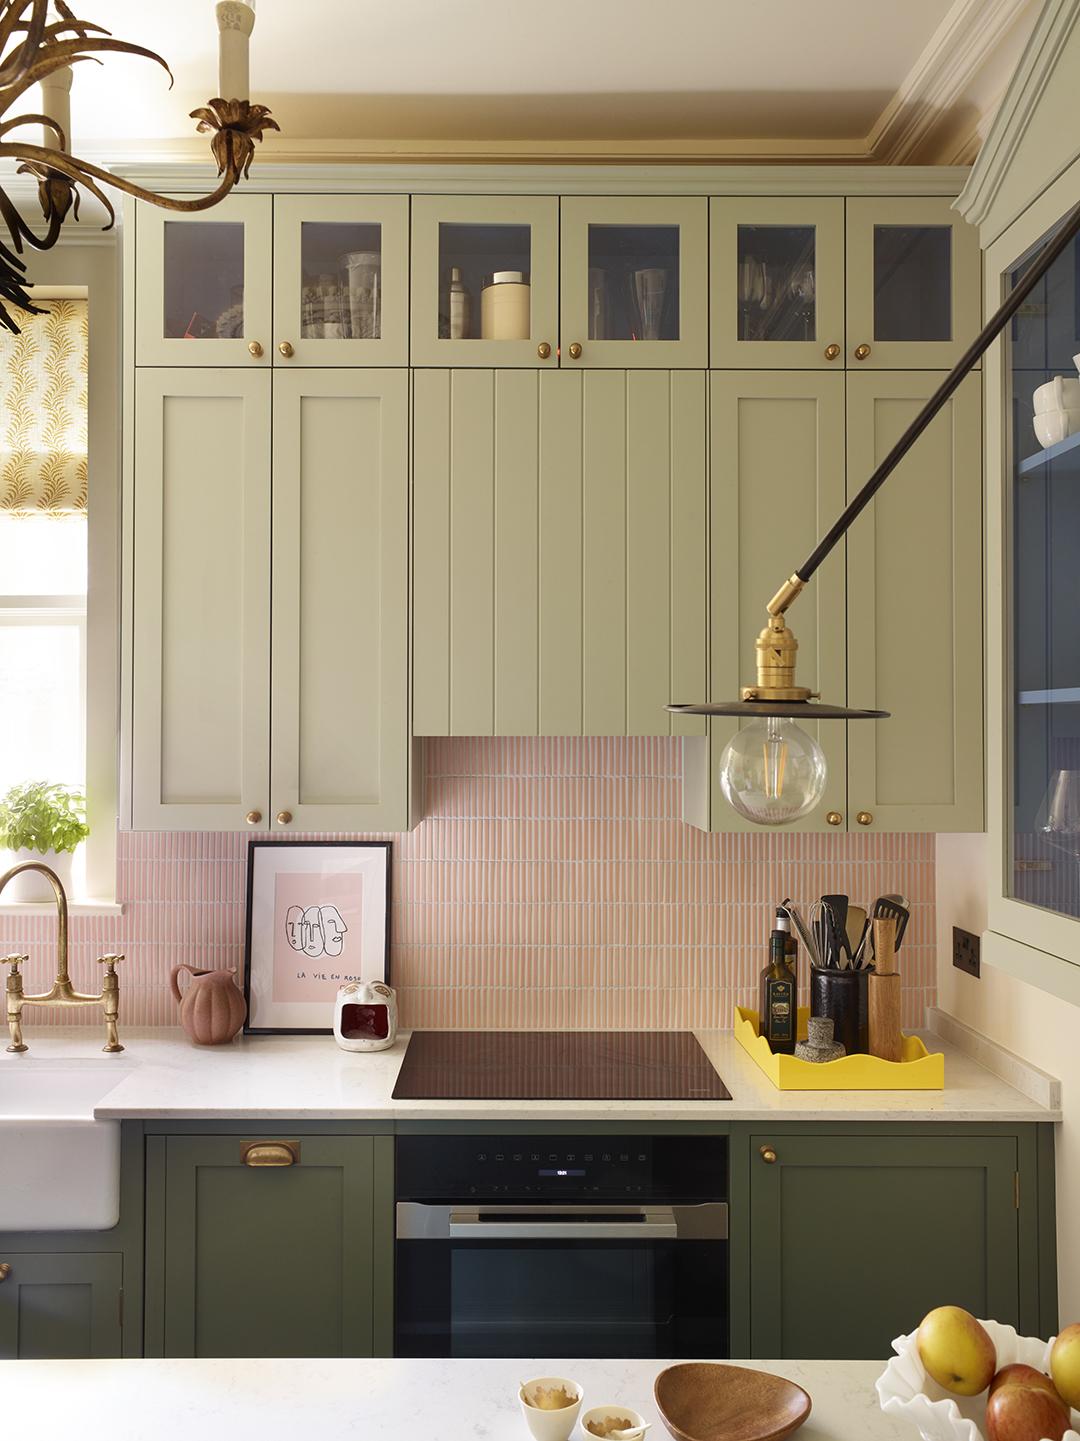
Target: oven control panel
x,y
538,1167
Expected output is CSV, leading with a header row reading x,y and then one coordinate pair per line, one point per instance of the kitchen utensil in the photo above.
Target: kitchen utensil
x,y
212,1009
884,993
804,933
548,1416
890,906
885,929
855,926
835,994
365,1016
707,1401
836,929
618,1422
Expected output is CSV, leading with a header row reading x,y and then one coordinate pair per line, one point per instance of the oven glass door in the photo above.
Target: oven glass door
x,y
529,1295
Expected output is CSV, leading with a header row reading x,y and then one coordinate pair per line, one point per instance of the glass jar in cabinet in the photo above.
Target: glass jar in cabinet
x,y
634,282
203,284
913,275
777,283
485,281
341,280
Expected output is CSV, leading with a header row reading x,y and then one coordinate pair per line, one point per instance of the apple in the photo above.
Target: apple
x,y
1065,1365
956,1350
1026,1413
1020,1375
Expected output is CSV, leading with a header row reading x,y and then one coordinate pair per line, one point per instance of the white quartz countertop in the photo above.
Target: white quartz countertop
x,y
407,1400
312,1078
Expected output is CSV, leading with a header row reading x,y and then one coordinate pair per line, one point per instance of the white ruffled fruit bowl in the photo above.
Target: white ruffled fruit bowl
x,y
906,1390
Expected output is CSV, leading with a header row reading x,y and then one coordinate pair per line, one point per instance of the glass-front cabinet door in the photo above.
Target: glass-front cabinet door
x,y
485,288
634,283
341,280
913,272
777,283
203,284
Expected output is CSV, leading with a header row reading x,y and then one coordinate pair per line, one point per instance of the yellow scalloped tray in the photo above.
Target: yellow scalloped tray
x,y
918,1070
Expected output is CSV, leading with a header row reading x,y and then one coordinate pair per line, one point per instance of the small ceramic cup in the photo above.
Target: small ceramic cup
x,y
611,1418
545,1424
1061,393
1054,425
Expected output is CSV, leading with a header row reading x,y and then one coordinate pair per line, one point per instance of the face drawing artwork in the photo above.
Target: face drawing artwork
x,y
316,931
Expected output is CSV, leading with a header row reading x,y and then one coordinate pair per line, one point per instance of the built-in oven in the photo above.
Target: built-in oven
x,y
561,1246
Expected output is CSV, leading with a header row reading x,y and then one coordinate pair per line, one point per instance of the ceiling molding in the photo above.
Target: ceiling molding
x,y
962,44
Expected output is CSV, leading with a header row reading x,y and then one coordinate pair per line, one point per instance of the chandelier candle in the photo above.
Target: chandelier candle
x,y
236,20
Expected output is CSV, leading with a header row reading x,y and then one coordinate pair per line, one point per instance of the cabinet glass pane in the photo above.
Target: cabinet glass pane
x,y
775,282
634,282
341,281
912,282
204,280
1045,642
484,274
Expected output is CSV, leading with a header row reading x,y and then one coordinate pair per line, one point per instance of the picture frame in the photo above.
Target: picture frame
x,y
318,916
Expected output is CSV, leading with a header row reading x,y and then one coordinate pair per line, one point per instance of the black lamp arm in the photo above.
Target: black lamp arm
x,y
1070,228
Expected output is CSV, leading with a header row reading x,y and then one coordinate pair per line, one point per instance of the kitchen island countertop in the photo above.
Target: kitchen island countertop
x,y
311,1078
379,1400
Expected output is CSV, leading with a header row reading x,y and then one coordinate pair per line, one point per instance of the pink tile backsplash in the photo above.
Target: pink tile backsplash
x,y
552,884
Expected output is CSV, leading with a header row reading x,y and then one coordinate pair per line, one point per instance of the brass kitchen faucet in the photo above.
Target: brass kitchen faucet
x,y
63,994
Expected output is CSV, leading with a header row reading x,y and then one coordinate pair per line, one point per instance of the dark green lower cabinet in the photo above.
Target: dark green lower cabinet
x,y
853,1238
61,1307
256,1259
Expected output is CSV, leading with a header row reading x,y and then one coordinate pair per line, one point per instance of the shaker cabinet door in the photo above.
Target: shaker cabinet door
x,y
61,1306
559,552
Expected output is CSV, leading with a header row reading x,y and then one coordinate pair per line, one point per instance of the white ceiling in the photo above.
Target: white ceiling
x,y
563,69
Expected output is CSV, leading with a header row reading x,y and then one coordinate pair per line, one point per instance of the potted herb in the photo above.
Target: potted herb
x,y
42,821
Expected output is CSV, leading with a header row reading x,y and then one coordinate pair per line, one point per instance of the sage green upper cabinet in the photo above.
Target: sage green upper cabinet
x,y
913,275
776,282
559,546
288,280
466,310
634,282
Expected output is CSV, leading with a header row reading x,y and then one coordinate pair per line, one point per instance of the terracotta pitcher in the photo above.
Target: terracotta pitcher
x,y
212,1009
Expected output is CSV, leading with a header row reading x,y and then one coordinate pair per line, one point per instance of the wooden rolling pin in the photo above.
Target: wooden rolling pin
x,y
884,982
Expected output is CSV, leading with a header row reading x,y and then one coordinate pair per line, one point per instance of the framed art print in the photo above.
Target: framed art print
x,y
318,916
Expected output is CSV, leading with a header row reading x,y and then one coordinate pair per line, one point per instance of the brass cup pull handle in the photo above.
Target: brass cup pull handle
x,y
543,350
270,1153
254,817
834,818
861,352
5,1271
575,351
256,349
284,817
286,349
865,818
831,352
768,1155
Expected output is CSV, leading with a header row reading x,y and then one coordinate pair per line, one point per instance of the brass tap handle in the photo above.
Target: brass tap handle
x,y
109,962
575,351
861,352
768,1155
865,818
254,817
5,1272
284,817
834,818
14,962
831,352
256,349
543,350
269,1153
286,349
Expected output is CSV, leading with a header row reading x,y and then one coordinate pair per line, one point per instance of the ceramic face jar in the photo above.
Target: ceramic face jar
x,y
365,1016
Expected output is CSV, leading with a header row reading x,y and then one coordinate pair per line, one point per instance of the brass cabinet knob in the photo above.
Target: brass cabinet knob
x,y
543,350
255,348
768,1155
284,817
269,1153
286,349
5,1271
254,817
831,352
865,818
834,818
861,352
575,351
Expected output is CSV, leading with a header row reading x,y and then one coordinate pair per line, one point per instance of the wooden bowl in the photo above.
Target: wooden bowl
x,y
705,1401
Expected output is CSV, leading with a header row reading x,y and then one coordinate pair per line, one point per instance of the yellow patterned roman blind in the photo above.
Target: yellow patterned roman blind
x,y
43,398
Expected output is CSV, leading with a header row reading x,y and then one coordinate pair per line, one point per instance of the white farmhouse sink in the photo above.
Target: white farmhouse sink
x,y
59,1168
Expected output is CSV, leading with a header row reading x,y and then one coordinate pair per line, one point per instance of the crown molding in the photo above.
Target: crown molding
x,y
1006,134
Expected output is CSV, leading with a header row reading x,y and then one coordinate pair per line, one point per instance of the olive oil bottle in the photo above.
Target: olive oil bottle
x,y
777,1005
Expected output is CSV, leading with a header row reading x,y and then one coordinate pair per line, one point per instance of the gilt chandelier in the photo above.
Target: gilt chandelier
x,y
33,47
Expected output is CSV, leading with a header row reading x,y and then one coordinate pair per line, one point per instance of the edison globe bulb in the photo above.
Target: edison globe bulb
x,y
772,772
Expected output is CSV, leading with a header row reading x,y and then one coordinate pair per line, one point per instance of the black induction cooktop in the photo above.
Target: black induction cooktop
x,y
557,1066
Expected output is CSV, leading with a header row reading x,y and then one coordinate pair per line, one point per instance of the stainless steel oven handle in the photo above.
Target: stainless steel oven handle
x,y
417,1221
